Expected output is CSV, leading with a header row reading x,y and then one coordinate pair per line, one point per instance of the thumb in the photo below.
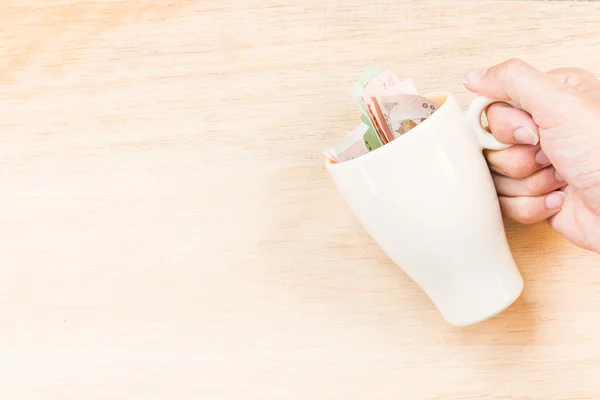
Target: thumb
x,y
539,94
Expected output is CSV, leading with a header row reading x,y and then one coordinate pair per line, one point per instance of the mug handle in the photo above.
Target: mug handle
x,y
473,115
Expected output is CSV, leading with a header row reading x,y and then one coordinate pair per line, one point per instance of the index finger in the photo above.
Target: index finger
x,y
518,81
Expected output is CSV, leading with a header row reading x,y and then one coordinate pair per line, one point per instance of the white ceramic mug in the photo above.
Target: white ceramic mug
x,y
428,200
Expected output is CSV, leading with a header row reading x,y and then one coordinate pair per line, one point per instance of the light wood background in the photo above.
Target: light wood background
x,y
168,230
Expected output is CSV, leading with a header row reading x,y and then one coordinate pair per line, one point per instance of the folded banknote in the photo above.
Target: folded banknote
x,y
389,108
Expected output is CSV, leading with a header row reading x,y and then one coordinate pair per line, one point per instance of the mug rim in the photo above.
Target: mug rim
x,y
447,95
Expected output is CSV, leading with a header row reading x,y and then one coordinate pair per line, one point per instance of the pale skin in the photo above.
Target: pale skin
x,y
552,173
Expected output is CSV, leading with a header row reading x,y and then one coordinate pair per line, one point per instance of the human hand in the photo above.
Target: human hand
x,y
553,171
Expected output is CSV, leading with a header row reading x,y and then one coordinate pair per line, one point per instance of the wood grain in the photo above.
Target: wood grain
x,y
168,229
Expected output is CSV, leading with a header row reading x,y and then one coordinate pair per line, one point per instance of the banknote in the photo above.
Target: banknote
x,y
382,126
371,138
385,83
389,108
352,146
402,112
368,74
373,81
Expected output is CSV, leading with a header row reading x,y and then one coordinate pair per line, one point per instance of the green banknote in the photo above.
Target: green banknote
x,y
371,137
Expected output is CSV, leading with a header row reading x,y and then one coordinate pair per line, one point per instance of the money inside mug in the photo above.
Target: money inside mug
x,y
389,107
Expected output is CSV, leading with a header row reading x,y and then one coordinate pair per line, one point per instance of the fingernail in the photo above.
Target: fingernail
x,y
555,200
525,135
474,75
558,176
541,158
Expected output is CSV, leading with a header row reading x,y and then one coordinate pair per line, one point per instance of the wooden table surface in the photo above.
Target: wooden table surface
x,y
169,231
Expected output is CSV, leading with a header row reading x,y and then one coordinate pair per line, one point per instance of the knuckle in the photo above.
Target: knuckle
x,y
536,184
518,170
583,74
520,209
524,213
514,62
512,68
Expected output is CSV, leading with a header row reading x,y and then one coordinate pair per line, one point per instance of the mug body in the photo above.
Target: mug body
x,y
428,200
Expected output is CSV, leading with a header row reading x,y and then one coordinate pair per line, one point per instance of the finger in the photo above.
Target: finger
x,y
575,77
541,182
510,125
518,81
530,210
582,80
518,161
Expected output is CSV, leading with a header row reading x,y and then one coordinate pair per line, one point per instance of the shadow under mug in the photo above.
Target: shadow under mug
x,y
428,200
